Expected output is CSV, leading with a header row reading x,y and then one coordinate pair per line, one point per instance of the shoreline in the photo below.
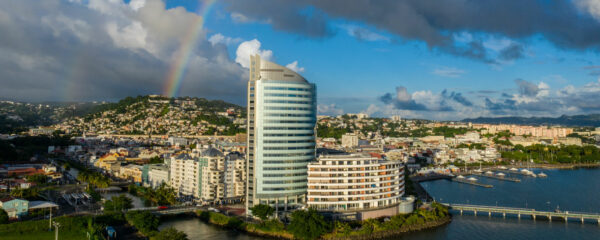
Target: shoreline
x,y
244,228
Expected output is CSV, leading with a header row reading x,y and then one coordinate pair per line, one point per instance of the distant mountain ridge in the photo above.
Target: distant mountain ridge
x,y
589,120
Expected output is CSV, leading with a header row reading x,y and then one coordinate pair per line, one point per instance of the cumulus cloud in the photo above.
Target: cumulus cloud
x,y
329,109
252,47
221,39
527,99
294,67
436,22
91,50
449,72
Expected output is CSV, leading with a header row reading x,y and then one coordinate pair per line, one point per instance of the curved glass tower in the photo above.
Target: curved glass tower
x,y
281,135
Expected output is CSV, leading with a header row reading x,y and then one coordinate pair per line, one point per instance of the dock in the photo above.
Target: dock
x,y
549,215
513,172
497,177
472,183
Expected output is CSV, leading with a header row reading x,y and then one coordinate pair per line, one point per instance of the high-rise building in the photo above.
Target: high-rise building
x,y
281,135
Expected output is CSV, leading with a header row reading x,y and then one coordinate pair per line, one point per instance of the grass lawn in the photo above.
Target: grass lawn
x,y
45,235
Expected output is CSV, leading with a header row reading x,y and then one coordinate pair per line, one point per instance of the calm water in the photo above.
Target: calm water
x,y
571,190
136,201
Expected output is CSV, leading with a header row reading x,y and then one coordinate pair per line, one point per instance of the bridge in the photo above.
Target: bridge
x,y
168,211
566,215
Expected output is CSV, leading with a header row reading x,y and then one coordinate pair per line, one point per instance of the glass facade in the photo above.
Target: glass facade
x,y
281,134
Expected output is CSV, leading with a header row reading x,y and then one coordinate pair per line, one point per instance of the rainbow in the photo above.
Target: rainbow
x,y
182,56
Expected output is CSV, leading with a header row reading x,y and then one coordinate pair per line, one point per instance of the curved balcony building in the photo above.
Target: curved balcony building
x,y
355,183
281,134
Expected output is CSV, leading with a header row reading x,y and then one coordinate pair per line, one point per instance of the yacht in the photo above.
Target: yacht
x,y
542,175
472,179
500,174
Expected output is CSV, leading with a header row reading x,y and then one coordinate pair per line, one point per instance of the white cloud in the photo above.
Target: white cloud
x,y
137,4
592,7
448,72
132,36
221,39
239,18
362,33
294,67
247,48
329,109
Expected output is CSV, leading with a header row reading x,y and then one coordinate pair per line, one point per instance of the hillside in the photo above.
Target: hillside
x,y
19,116
160,115
590,120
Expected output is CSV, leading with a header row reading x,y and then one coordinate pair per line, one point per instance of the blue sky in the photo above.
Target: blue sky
x,y
385,58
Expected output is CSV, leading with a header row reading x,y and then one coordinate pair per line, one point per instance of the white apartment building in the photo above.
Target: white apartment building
x,y
212,175
355,184
235,176
350,140
185,176
157,175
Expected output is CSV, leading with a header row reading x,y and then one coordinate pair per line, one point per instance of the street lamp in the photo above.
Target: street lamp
x,y
56,226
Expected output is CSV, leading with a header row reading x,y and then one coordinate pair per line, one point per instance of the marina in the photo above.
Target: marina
x,y
499,176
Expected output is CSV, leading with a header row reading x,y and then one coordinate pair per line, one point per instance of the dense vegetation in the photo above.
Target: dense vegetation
x,y
554,154
144,221
395,224
308,224
70,227
163,195
330,132
262,211
170,234
118,204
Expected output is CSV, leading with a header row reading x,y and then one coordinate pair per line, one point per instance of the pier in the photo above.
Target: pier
x,y
497,177
514,172
564,215
474,183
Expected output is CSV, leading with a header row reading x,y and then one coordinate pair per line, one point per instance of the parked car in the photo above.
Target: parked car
x,y
162,207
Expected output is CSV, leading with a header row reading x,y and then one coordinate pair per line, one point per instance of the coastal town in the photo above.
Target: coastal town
x,y
177,154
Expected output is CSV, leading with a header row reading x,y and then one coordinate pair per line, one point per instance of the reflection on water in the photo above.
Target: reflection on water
x,y
573,190
136,201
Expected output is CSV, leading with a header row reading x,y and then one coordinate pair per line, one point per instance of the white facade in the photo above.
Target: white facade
x,y
158,175
354,182
281,134
184,176
349,140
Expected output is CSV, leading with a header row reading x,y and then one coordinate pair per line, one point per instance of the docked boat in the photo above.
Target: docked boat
x,y
542,175
472,179
460,177
502,167
525,171
513,169
477,170
489,173
500,174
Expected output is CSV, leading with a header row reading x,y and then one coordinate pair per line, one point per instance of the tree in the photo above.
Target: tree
x,y
3,216
118,203
262,211
170,234
37,178
144,221
308,224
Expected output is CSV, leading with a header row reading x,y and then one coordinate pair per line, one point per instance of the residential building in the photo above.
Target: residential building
x,y
16,208
355,185
235,176
350,140
157,175
185,176
212,175
281,134
131,172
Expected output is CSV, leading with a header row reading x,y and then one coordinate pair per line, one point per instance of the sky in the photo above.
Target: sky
x,y
441,60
